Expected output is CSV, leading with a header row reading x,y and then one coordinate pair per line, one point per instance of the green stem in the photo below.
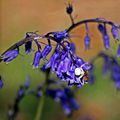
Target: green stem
x,y
42,100
40,108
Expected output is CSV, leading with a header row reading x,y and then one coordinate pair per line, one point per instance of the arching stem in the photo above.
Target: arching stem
x,y
95,20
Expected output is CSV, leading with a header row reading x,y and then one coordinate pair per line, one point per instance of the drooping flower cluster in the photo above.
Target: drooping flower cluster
x,y
14,109
67,66
110,64
23,91
65,97
60,94
63,61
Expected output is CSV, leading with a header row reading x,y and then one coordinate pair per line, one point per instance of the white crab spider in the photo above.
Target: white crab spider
x,y
80,72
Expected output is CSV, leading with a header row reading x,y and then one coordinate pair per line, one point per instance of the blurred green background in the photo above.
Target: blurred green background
x,y
99,101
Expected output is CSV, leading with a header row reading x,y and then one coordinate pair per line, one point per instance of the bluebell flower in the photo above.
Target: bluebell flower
x,y
14,109
60,69
38,92
68,101
73,47
60,35
55,61
91,78
1,82
63,62
49,63
69,9
27,82
116,78
66,64
105,36
118,51
101,28
10,55
66,98
87,66
115,33
117,85
21,92
66,108
74,104
70,72
87,42
115,73
110,65
28,47
106,64
37,58
87,37
46,51
79,61
106,41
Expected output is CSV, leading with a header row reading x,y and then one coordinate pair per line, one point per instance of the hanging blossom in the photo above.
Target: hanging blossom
x,y
67,65
106,40
61,94
65,97
23,91
87,38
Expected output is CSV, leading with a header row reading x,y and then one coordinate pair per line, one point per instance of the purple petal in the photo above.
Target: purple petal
x,y
74,104
46,50
66,64
87,42
79,61
55,61
115,33
66,109
21,92
60,68
106,41
101,28
10,55
117,85
36,60
60,35
50,62
28,47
